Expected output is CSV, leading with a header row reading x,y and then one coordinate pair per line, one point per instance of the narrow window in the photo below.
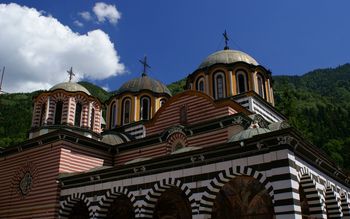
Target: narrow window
x,y
92,121
126,111
78,111
242,82
145,108
219,85
261,86
58,112
183,115
113,115
42,114
200,84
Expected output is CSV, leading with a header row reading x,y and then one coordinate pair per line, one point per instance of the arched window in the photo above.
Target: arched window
x,y
113,115
162,102
126,111
219,85
42,114
261,85
92,121
242,82
78,112
58,112
200,84
145,108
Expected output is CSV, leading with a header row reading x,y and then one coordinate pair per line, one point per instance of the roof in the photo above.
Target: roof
x,y
248,133
144,83
70,86
227,57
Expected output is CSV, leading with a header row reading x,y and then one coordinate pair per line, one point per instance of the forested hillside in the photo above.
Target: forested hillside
x,y
317,104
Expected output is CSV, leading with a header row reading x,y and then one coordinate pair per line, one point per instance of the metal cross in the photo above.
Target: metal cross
x,y
145,65
226,39
71,74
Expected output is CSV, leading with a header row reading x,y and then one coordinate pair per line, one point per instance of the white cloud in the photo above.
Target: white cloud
x,y
85,15
78,23
37,50
106,12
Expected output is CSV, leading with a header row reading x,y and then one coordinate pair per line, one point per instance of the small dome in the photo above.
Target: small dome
x,y
144,83
70,86
114,138
248,133
227,57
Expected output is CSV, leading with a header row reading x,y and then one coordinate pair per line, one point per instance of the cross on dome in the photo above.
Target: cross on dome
x,y
70,73
226,40
145,66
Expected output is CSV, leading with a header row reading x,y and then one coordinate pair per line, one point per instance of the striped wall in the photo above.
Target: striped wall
x,y
199,109
207,139
280,172
44,163
146,152
40,201
79,159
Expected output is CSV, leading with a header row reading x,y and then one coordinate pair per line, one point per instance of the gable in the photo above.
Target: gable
x,y
189,108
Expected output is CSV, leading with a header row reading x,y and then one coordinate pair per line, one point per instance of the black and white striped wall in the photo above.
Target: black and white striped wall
x,y
281,173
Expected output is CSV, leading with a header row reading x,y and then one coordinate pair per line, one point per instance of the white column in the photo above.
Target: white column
x,y
230,92
135,107
47,110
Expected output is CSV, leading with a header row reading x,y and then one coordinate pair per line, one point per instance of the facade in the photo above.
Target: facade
x,y
218,150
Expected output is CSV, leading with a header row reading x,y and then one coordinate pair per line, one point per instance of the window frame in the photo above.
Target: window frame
x,y
216,85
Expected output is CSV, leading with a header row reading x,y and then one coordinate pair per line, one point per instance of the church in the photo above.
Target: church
x,y
218,150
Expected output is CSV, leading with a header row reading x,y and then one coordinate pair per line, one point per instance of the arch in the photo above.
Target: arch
x,y
219,85
113,115
313,196
345,205
242,81
261,85
200,85
58,112
145,107
157,190
332,205
78,114
126,113
175,140
207,202
68,205
112,195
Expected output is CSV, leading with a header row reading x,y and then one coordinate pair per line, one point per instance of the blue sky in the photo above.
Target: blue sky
x,y
288,37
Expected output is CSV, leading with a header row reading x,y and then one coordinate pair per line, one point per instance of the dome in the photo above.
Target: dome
x,y
144,83
114,138
248,133
70,86
227,57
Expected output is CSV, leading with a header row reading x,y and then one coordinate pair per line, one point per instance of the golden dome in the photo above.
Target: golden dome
x,y
227,57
